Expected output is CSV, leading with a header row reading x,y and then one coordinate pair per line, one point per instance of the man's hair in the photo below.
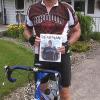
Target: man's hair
x,y
50,41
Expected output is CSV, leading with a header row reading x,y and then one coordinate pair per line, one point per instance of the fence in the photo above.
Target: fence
x,y
96,27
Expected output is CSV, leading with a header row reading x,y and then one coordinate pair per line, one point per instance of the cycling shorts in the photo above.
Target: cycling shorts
x,y
63,67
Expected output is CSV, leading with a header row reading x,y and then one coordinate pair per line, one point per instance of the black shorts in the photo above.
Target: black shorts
x,y
64,68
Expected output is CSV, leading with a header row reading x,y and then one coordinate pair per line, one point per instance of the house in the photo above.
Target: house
x,y
90,8
14,11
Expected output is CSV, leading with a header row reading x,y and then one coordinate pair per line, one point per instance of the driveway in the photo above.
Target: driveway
x,y
86,78
3,28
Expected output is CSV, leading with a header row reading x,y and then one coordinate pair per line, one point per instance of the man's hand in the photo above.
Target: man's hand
x,y
28,34
34,40
64,48
61,49
37,41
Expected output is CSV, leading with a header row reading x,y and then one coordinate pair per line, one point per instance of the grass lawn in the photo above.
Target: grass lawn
x,y
13,54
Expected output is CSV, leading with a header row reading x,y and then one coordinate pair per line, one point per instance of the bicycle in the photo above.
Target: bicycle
x,y
33,91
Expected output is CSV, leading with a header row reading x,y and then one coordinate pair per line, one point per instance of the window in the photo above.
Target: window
x,y
79,6
91,6
19,4
98,4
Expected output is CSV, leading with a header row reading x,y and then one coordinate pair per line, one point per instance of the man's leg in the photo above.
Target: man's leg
x,y
65,71
65,93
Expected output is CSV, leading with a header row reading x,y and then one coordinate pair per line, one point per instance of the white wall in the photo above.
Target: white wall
x,y
0,5
96,17
96,27
27,4
96,14
10,11
96,11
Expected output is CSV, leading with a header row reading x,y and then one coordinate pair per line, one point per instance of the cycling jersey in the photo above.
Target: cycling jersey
x,y
57,21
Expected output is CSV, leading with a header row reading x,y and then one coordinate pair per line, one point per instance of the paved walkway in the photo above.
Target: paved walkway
x,y
3,28
86,79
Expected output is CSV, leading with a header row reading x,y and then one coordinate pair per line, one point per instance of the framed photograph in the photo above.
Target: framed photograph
x,y
48,47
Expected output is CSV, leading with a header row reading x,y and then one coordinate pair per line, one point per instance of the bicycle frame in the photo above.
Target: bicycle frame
x,y
41,73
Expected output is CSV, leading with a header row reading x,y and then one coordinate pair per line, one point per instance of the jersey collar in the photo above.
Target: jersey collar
x,y
57,4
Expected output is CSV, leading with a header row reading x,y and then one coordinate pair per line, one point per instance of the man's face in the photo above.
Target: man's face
x,y
49,43
50,0
47,0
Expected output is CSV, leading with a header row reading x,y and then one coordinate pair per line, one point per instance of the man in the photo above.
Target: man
x,y
49,52
54,17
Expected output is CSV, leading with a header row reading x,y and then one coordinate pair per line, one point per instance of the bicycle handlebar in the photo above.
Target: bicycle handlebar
x,y
10,69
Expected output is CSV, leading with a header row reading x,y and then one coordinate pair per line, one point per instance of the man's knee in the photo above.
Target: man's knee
x,y
65,94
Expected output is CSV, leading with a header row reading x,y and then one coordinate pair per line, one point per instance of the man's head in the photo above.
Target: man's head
x,y
49,43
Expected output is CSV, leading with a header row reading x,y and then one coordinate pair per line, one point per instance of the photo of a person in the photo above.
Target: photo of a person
x,y
50,52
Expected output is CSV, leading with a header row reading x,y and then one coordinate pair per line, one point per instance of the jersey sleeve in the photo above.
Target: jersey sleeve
x,y
29,23
73,19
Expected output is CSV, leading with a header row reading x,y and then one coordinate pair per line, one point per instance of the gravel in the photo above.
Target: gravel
x,y
76,59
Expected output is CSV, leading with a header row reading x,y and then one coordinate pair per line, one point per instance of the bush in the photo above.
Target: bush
x,y
15,31
80,47
86,23
95,36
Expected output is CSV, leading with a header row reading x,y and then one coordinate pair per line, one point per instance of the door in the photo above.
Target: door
x,y
20,16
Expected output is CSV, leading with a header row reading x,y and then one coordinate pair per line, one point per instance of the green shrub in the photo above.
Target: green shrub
x,y
15,31
95,36
86,23
80,47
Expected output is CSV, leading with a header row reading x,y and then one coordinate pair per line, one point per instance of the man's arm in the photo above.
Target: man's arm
x,y
28,34
75,34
